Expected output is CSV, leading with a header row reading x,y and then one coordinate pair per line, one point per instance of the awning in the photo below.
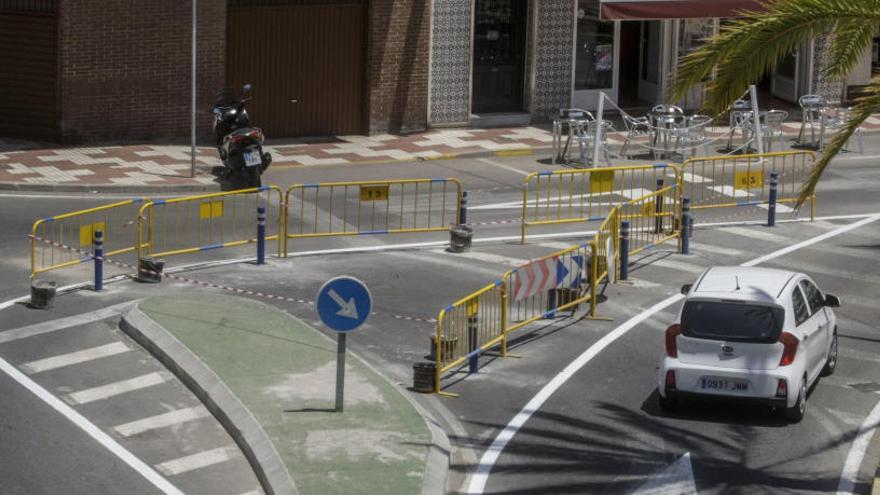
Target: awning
x,y
621,10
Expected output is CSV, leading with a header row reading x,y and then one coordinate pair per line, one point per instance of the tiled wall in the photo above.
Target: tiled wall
x,y
553,58
831,89
451,62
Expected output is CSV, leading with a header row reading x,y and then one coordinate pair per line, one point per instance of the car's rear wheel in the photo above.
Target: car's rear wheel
x,y
668,404
831,363
796,412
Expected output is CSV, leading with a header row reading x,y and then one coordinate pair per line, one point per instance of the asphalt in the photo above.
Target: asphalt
x,y
601,431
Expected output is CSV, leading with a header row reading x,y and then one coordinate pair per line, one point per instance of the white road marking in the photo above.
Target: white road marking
x,y
197,461
252,492
558,246
829,272
780,207
481,475
695,178
845,417
761,234
564,202
487,257
675,479
710,248
165,420
75,357
730,191
62,323
855,456
89,428
117,388
503,166
677,265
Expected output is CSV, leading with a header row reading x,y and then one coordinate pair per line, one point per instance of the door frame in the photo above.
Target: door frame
x,y
528,56
588,99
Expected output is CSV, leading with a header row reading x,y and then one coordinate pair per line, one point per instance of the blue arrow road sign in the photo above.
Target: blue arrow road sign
x,y
344,303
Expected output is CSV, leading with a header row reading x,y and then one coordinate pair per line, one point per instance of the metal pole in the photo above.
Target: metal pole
x,y
99,260
261,235
624,250
340,369
474,360
192,162
685,226
599,129
771,208
759,135
658,209
462,212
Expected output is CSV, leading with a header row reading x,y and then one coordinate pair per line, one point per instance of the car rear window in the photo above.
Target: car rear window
x,y
731,320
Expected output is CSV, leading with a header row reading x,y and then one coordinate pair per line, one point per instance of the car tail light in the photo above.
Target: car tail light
x,y
782,388
672,332
670,380
790,347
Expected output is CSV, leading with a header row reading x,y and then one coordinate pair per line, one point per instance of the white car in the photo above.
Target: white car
x,y
750,334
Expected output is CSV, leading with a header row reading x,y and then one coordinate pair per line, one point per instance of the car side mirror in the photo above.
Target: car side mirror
x,y
832,301
686,288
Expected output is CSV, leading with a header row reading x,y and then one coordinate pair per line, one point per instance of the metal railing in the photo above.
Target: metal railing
x,y
744,180
585,195
59,241
653,218
371,207
207,221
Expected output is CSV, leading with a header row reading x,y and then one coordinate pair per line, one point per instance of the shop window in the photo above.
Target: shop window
x,y
594,58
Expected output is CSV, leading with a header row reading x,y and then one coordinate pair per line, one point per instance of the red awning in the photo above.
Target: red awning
x,y
622,10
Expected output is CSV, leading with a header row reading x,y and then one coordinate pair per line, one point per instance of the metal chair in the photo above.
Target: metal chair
x,y
812,109
586,141
635,127
693,135
575,119
771,127
836,120
740,116
664,119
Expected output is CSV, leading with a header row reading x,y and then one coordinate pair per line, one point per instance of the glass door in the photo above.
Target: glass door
x,y
784,80
499,55
596,56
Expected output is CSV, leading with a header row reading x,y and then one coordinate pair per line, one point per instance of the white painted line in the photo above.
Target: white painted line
x,y
197,461
117,388
675,479
252,492
558,246
487,257
62,323
89,428
761,234
165,420
503,166
676,265
730,191
481,475
75,357
712,249
794,265
695,178
854,158
855,456
790,220
780,208
845,417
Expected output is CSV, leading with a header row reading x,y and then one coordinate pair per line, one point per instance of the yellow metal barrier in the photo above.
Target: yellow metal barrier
x,y
744,180
371,207
585,195
207,221
653,218
55,240
607,242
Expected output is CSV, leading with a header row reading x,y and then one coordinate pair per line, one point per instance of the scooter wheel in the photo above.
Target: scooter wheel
x,y
253,177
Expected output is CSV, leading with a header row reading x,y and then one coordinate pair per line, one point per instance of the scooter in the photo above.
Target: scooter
x,y
240,145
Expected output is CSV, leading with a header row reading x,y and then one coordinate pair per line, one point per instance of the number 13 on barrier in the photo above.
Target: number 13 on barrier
x,y
374,193
749,179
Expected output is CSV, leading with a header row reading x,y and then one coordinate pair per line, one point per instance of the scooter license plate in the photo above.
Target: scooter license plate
x,y
252,158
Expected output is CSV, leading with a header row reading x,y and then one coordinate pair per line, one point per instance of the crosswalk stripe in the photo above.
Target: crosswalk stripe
x,y
709,248
558,246
117,388
731,191
61,324
677,265
850,353
196,461
76,357
695,178
487,257
162,420
757,233
798,266
846,417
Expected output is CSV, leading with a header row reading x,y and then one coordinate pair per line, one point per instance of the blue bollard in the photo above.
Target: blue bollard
x,y
462,212
624,250
474,359
99,260
658,209
771,208
685,226
261,235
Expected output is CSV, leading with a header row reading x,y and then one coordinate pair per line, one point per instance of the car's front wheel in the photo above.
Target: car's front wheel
x,y
796,412
831,362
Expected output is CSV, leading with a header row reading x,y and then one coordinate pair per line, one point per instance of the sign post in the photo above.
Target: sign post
x,y
343,305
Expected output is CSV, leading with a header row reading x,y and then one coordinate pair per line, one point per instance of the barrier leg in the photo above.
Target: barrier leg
x,y
624,250
462,211
658,209
261,235
474,360
685,226
771,207
99,260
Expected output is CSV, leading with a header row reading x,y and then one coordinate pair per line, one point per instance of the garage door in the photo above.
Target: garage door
x,y
307,62
29,58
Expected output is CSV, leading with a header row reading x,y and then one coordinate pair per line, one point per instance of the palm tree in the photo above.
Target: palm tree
x,y
751,46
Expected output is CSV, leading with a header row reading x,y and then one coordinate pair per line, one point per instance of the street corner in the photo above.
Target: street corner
x,y
255,361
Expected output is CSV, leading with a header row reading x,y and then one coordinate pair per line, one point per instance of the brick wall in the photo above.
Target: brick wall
x,y
125,68
398,65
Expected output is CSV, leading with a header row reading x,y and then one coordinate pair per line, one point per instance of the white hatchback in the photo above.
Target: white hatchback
x,y
750,334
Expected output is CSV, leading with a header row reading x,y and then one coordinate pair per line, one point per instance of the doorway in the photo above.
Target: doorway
x,y
499,55
640,63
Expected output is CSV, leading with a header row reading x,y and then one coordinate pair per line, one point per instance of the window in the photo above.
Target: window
x,y
693,33
814,296
594,52
801,313
732,320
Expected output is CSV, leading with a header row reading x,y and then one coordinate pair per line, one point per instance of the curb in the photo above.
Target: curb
x,y
216,396
108,188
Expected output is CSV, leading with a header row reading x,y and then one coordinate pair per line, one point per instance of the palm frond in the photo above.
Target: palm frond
x,y
850,40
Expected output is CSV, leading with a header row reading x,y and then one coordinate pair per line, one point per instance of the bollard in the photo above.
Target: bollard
x,y
99,260
261,235
462,212
685,226
771,208
42,294
658,209
624,250
474,359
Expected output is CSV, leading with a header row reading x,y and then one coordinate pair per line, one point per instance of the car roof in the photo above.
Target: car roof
x,y
764,284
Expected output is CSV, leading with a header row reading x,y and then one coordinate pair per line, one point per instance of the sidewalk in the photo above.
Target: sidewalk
x,y
149,167
250,361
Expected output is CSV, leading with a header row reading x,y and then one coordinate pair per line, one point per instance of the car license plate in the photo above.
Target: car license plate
x,y
724,385
252,158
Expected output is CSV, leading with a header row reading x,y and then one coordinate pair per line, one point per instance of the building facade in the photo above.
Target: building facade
x,y
109,70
